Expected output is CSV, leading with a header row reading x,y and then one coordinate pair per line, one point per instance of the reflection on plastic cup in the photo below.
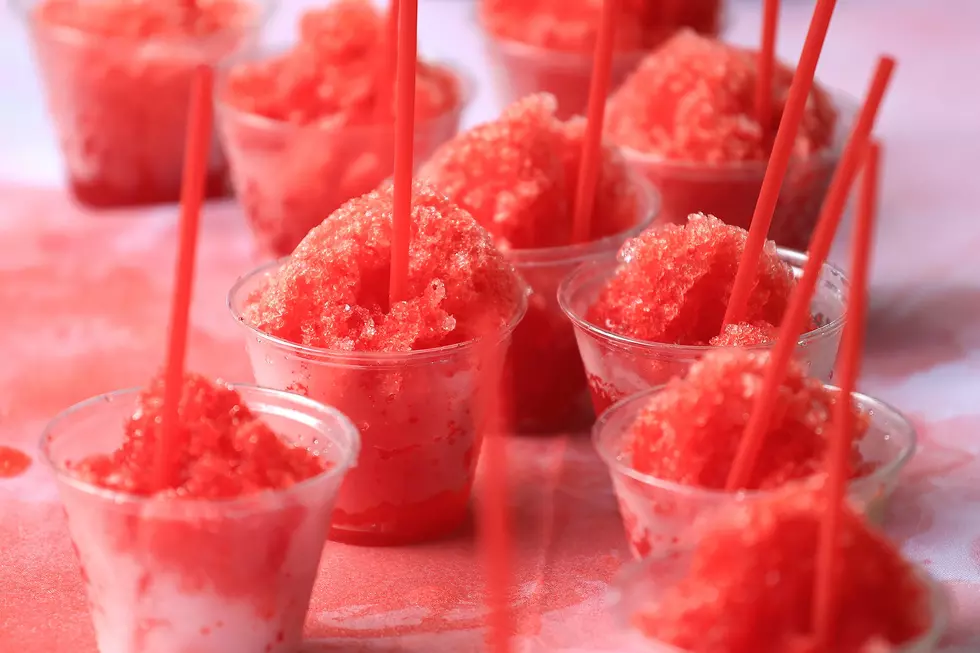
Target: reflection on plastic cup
x,y
618,366
166,574
415,412
658,513
730,191
289,177
120,106
645,583
549,391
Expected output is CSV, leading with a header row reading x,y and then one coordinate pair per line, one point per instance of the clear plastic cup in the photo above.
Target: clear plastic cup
x,y
618,366
290,177
730,190
549,391
521,69
658,513
120,106
415,412
166,574
643,583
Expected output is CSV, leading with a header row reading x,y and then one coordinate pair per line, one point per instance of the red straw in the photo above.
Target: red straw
x,y
825,610
798,310
782,150
386,89
495,536
404,134
767,64
588,171
196,154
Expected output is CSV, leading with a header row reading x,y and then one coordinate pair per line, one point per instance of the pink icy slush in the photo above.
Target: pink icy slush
x,y
517,176
645,318
548,46
685,118
669,449
225,557
746,586
319,323
311,127
117,75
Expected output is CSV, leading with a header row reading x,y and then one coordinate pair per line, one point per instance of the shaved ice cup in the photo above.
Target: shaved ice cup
x,y
289,177
618,366
416,414
549,390
166,574
658,513
729,190
521,69
642,584
119,107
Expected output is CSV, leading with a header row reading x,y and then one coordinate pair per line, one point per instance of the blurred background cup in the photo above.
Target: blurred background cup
x,y
119,104
290,177
729,191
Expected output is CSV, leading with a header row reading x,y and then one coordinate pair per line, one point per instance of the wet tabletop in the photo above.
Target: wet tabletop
x,y
84,300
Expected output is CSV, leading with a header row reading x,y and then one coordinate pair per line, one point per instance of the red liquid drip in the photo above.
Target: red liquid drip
x,y
13,462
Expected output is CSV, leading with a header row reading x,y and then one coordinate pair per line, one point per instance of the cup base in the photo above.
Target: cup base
x,y
97,194
436,519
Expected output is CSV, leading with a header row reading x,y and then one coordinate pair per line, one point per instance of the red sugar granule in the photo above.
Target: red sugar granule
x,y
333,291
689,432
673,283
138,19
693,100
573,25
335,73
224,450
745,335
517,175
750,585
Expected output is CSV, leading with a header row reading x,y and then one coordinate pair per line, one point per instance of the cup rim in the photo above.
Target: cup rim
x,y
24,10
465,87
629,573
648,205
795,258
345,462
365,357
870,404
845,104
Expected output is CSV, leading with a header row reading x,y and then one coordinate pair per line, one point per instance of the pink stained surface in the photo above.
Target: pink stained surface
x,y
689,432
336,72
223,449
518,175
673,284
572,26
98,322
692,100
333,291
750,585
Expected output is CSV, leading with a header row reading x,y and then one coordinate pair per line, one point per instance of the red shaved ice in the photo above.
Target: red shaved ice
x,y
750,582
688,433
518,175
673,284
333,291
